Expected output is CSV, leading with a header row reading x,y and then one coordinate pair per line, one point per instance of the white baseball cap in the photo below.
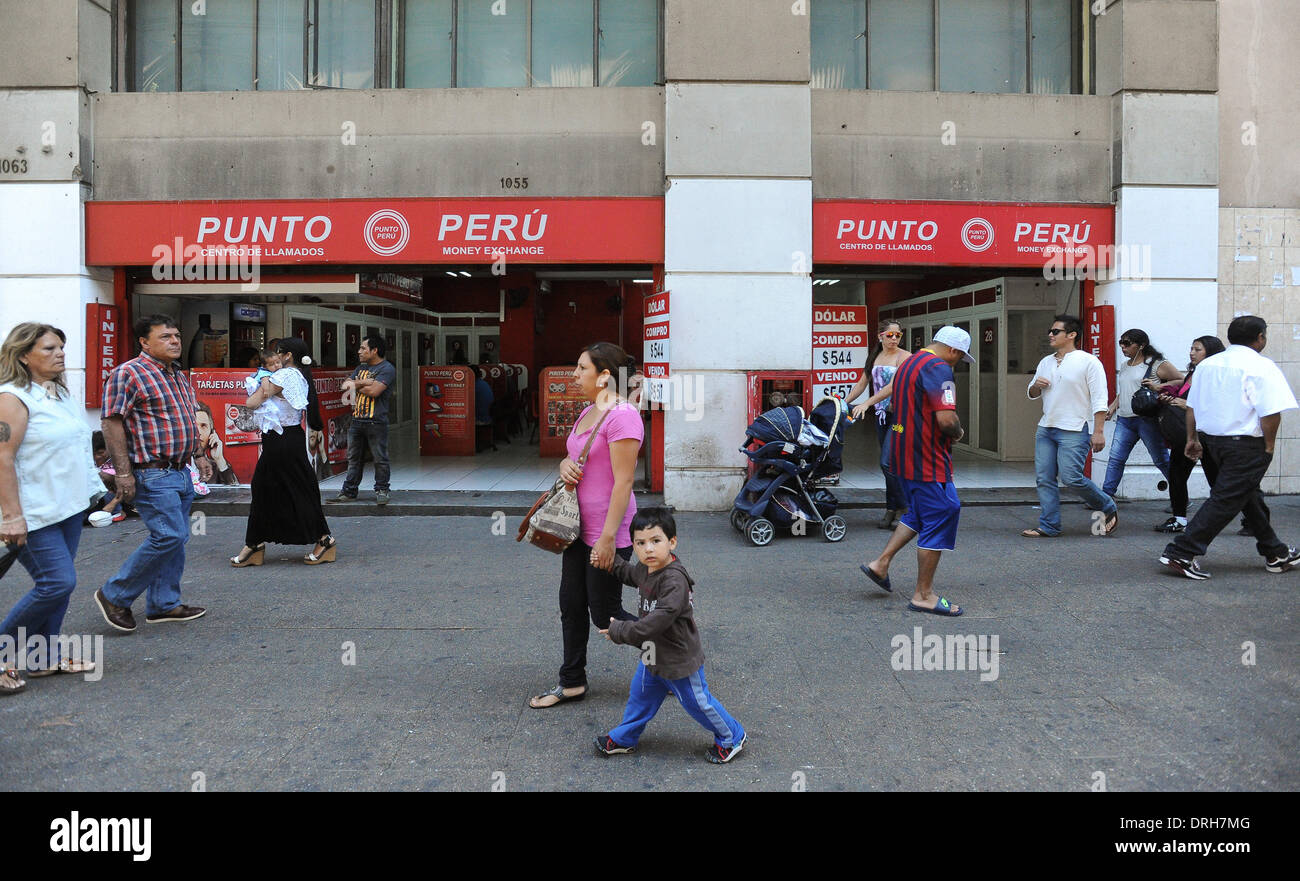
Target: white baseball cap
x,y
955,338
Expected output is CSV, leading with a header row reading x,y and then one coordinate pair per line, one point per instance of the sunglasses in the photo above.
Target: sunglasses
x,y
1055,330
1126,342
893,335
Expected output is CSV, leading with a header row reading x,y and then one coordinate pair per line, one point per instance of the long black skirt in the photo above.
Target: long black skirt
x,y
286,497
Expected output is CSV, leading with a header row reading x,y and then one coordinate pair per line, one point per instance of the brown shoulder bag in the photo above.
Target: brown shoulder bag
x,y
553,523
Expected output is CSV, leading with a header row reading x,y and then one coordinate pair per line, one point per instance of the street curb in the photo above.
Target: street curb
x,y
234,502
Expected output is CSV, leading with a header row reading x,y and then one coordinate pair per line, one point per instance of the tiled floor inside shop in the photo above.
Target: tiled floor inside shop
x,y
516,466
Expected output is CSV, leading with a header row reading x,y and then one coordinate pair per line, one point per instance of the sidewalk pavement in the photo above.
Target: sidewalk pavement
x,y
1112,670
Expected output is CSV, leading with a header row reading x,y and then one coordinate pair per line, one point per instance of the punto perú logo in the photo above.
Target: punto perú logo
x,y
386,232
977,234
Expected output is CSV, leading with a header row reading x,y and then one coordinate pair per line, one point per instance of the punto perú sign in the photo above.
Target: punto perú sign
x,y
613,230
961,233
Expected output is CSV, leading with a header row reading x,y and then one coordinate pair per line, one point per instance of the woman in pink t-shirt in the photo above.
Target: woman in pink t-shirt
x,y
606,505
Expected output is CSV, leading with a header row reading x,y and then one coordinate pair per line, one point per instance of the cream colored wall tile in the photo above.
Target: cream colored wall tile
x,y
1249,230
1272,305
1292,230
1227,263
1227,220
1245,269
1245,300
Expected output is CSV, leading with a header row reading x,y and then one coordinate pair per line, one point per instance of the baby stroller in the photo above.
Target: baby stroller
x,y
795,458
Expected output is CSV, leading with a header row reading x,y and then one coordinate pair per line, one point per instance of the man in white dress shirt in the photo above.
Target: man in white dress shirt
x,y
1235,403
1072,384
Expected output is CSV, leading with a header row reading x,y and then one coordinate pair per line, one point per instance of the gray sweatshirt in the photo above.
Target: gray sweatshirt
x,y
666,622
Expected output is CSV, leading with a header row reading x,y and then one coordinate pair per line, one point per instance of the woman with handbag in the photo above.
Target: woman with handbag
x,y
1173,427
47,478
1142,363
610,432
285,506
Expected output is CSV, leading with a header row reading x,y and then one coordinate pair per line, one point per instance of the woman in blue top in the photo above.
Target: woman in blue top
x,y
47,479
885,358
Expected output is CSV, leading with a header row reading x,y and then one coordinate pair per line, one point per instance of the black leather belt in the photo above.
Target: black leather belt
x,y
160,464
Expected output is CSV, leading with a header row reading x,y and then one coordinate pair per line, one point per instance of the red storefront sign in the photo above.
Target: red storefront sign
x,y
962,233
624,230
101,349
447,411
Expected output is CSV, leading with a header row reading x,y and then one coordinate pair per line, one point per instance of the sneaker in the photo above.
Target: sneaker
x,y
119,516
607,747
341,497
1170,525
1185,567
381,497
720,756
1283,563
119,617
179,613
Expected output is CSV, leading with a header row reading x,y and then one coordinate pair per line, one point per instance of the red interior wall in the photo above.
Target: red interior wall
x,y
565,329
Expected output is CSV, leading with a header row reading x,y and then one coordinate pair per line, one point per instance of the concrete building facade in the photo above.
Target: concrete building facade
x,y
1183,117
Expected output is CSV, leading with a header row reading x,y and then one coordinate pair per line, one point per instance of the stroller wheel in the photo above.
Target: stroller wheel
x,y
760,531
834,528
738,519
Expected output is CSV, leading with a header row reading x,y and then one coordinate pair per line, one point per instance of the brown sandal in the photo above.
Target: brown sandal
x,y
1036,533
11,682
555,696
63,667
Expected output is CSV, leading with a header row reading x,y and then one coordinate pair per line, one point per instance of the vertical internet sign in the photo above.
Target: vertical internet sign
x,y
655,351
1099,340
840,346
101,349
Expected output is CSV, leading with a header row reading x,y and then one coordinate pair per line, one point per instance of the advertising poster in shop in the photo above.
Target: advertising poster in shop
x,y
840,347
562,403
228,442
328,449
446,411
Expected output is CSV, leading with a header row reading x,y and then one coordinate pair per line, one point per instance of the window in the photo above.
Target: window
x,y
235,45
1035,46
341,44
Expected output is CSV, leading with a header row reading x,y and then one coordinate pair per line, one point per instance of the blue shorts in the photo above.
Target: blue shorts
x,y
933,510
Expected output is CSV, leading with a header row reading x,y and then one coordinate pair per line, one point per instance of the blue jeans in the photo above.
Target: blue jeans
x,y
361,435
1061,453
894,498
162,498
647,694
1127,431
48,557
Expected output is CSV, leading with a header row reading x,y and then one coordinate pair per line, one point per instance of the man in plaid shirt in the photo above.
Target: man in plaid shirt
x,y
149,429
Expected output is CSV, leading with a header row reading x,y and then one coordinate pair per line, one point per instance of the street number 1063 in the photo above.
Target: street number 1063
x,y
13,166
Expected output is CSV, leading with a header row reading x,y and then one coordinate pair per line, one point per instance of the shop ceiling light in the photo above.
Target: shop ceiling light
x,y
453,275
464,273
643,281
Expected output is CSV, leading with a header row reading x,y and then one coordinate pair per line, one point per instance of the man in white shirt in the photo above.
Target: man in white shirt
x,y
1072,384
1236,402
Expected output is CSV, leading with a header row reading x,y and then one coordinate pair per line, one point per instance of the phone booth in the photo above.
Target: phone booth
x,y
778,388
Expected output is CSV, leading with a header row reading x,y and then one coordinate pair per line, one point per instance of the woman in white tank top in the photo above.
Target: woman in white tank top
x,y
1140,357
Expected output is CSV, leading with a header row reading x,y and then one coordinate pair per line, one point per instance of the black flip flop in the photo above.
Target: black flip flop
x,y
942,608
882,583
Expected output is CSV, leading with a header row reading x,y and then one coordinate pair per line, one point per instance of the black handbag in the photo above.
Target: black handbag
x,y
1172,422
1146,402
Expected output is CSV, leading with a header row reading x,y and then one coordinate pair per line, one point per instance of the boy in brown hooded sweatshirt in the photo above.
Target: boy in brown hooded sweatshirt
x,y
672,659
